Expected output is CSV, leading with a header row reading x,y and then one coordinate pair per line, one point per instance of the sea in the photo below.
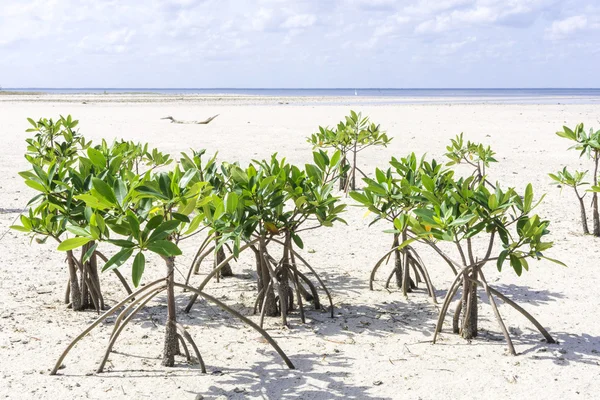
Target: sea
x,y
388,95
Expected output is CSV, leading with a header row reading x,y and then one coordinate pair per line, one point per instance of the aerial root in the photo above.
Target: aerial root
x,y
243,319
141,303
212,273
511,347
184,346
183,332
99,320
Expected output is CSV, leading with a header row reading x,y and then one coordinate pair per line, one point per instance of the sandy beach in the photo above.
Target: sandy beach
x,y
378,346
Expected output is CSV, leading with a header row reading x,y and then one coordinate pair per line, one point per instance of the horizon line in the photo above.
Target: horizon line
x,y
299,88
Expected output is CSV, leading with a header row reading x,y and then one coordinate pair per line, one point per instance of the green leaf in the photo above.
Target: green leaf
x,y
164,248
72,243
120,191
35,185
554,261
134,224
231,201
335,158
77,230
89,252
462,220
187,177
19,228
104,190
361,198
501,259
97,158
152,224
163,230
515,262
528,198
194,224
122,243
94,202
298,241
117,260
428,183
180,217
150,192
406,243
139,262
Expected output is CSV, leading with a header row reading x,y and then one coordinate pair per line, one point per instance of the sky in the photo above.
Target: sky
x,y
300,43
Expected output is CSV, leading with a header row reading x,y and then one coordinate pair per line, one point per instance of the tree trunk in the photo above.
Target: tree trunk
x,y
353,174
268,295
343,175
595,216
586,230
469,307
75,291
397,262
93,268
83,287
406,281
171,345
226,270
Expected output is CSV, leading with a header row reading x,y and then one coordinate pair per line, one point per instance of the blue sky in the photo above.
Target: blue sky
x,y
301,43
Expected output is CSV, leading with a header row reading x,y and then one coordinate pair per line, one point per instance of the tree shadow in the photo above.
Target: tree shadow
x,y
305,383
266,379
571,348
524,294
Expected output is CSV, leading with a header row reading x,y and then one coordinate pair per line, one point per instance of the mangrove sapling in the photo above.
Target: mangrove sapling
x,y
476,155
210,172
58,174
390,197
588,144
273,202
463,213
574,180
350,137
151,213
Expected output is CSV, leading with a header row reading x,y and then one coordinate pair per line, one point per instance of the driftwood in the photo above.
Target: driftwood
x,y
176,121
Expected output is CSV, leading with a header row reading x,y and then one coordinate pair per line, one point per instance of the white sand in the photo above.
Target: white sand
x,y
376,337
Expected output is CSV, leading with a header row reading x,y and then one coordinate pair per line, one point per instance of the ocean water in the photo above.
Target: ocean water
x,y
524,95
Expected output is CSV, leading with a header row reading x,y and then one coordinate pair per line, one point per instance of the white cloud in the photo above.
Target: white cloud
x,y
299,21
451,48
566,27
277,42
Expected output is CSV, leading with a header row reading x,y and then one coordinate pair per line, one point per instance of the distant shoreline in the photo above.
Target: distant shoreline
x,y
437,98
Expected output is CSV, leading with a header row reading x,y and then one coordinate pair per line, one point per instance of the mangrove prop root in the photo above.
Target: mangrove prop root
x,y
68,292
511,347
424,272
447,300
264,304
141,303
376,267
130,306
185,349
244,319
456,318
258,297
520,309
182,331
318,278
98,321
277,286
215,270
